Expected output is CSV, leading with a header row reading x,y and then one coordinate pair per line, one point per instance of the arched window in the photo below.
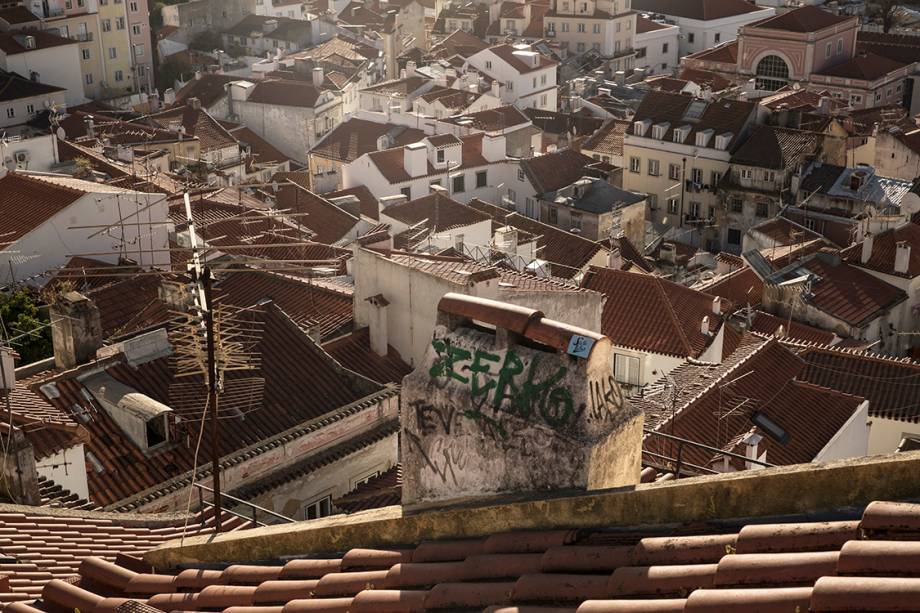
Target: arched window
x,y
772,73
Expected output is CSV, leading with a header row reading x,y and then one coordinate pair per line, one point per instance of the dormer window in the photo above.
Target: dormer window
x,y
681,133
660,129
440,156
142,419
641,127
722,140
703,137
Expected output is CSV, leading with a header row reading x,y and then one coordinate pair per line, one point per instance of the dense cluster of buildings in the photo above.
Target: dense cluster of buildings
x,y
538,305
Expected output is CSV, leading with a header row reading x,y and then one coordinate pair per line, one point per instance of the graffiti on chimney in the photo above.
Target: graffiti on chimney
x,y
506,384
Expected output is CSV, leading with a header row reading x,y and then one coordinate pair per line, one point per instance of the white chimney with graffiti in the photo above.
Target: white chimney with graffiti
x,y
507,402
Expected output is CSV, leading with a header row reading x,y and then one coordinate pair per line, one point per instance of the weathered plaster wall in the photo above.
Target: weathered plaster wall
x,y
483,415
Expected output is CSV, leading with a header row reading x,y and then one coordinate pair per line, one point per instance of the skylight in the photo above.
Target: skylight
x,y
696,109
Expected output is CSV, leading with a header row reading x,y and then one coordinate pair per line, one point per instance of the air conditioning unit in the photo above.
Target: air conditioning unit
x,y
22,157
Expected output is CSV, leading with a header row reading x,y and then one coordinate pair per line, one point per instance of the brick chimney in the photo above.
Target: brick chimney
x,y
76,330
511,404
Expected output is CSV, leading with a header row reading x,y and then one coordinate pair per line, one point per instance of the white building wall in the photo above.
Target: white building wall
x,y
67,468
852,440
661,51
335,479
59,66
54,242
41,152
885,434
698,35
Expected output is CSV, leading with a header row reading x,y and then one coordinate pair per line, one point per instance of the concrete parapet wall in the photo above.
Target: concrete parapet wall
x,y
806,488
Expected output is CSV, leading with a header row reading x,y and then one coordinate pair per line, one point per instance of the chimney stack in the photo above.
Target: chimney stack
x,y
902,258
318,77
378,324
599,444
615,259
716,306
194,104
704,325
752,449
76,330
868,241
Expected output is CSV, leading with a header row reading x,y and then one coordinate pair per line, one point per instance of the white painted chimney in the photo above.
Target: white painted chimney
x,y
717,306
379,331
506,240
496,89
318,77
615,259
867,244
415,159
704,325
751,449
169,96
902,258
493,147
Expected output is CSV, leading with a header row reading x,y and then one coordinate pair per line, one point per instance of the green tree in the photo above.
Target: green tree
x,y
24,320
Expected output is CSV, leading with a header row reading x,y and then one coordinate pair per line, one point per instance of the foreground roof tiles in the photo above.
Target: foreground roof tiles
x,y
38,546
849,564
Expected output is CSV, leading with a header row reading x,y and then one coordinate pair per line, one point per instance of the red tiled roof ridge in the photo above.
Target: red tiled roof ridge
x,y
674,319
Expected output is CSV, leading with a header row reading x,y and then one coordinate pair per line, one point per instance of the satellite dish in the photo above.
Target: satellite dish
x,y
61,134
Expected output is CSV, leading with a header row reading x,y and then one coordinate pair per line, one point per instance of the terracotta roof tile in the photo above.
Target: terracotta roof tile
x,y
329,223
391,164
651,314
849,293
805,19
13,43
209,89
770,325
569,252
354,352
644,25
884,251
887,383
722,116
437,211
306,304
787,575
702,10
507,54
865,67
26,203
608,140
353,138
741,288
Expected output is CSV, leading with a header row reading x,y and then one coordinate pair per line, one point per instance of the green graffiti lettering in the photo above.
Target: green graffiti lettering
x,y
480,365
448,357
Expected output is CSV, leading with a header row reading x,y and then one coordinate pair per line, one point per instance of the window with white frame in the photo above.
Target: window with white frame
x,y
626,369
321,507
653,167
635,164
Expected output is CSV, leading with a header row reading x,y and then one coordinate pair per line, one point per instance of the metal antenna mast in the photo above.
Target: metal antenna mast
x,y
201,276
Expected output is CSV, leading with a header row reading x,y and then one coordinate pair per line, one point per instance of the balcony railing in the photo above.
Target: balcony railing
x,y
677,464
255,511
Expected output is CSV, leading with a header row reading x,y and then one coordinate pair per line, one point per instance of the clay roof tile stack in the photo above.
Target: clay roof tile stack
x,y
866,563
